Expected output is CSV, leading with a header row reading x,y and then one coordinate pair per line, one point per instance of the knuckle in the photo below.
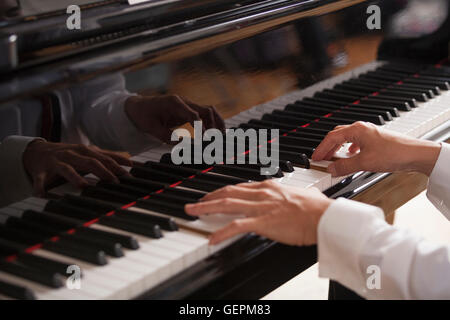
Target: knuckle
x,y
175,98
94,163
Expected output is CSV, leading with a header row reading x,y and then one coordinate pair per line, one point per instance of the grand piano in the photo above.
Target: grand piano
x,y
302,67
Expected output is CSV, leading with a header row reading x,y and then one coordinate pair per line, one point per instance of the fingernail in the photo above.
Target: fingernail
x,y
189,208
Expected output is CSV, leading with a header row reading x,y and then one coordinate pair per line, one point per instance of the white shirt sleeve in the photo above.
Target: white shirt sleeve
x,y
104,120
439,184
15,184
353,237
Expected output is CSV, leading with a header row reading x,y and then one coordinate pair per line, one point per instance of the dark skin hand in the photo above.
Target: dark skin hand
x,y
9,8
159,116
47,161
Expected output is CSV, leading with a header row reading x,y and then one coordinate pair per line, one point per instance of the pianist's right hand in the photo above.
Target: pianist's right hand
x,y
47,161
377,150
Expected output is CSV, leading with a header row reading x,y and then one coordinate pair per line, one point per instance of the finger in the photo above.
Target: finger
x,y
116,156
39,184
331,153
225,206
236,227
332,139
68,172
90,165
105,160
206,115
182,113
236,192
345,166
259,185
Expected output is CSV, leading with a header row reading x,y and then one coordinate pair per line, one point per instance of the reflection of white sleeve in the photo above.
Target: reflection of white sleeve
x,y
353,236
15,184
104,119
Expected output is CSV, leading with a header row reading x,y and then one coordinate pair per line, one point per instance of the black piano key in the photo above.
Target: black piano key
x,y
144,184
15,291
353,115
56,227
259,166
309,117
337,96
274,125
360,87
58,222
299,142
187,172
164,222
126,241
8,247
434,89
194,194
92,204
111,248
171,198
171,209
39,262
238,171
68,248
402,106
282,127
285,120
223,178
405,68
325,124
246,126
392,109
49,279
108,195
66,223
443,85
84,208
437,78
123,188
200,184
171,168
125,223
411,101
404,94
18,235
429,94
382,76
69,210
380,95
155,175
297,155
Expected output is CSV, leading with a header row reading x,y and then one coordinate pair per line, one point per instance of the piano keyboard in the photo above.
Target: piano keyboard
x,y
129,237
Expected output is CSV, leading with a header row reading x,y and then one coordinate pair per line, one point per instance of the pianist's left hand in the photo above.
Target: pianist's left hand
x,y
160,115
46,161
285,214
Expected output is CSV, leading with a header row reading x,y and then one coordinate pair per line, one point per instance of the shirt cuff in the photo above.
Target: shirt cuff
x,y
343,231
15,183
439,183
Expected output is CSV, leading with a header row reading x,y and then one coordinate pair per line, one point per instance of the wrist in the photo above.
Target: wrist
x,y
28,155
423,156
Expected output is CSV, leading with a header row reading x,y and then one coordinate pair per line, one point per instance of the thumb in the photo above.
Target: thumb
x,y
343,167
39,185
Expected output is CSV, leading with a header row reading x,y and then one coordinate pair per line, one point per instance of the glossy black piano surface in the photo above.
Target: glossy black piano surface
x,y
230,54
